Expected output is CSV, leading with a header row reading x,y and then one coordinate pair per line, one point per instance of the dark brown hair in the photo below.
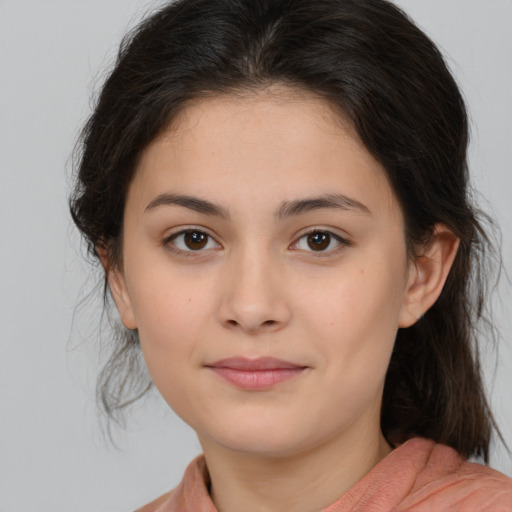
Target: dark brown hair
x,y
376,67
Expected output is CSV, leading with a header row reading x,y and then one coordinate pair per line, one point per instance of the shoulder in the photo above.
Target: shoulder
x,y
422,476
153,506
191,494
448,482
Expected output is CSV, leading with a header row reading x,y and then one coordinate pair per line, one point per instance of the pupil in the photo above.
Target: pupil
x,y
319,241
195,240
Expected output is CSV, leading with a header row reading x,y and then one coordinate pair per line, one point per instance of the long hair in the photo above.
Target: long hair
x,y
380,72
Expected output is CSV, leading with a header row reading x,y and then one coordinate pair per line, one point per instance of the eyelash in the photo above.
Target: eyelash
x,y
169,243
340,241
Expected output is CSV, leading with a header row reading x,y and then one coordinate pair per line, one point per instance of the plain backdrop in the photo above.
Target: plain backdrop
x,y
53,54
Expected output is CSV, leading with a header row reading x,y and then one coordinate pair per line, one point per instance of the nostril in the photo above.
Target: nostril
x,y
267,323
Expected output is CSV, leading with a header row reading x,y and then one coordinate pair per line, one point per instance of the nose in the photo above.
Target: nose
x,y
253,299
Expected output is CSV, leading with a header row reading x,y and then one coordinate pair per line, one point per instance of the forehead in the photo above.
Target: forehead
x,y
280,142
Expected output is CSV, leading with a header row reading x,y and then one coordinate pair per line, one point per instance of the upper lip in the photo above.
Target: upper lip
x,y
259,364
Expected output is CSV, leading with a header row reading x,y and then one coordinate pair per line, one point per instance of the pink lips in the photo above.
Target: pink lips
x,y
255,374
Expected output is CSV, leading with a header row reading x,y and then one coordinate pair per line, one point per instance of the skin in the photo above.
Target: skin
x,y
257,288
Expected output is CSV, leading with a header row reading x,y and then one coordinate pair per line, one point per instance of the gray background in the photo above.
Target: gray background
x,y
52,54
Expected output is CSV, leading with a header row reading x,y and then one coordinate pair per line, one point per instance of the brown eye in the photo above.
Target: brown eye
x,y
195,240
192,240
324,243
319,240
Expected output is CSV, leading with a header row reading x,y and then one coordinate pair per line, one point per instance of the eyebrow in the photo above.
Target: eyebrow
x,y
192,203
287,209
329,201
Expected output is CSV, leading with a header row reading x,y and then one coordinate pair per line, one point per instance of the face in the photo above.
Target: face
x,y
265,268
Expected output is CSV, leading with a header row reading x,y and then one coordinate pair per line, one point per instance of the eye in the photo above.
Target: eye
x,y
192,240
319,241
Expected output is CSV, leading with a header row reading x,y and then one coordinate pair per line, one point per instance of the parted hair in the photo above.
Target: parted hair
x,y
388,80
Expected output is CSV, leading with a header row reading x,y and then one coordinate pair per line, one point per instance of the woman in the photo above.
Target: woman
x,y
278,193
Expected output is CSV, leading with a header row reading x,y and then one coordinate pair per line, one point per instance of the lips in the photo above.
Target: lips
x,y
255,374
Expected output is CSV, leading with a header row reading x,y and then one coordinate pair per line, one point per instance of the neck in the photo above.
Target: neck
x,y
303,482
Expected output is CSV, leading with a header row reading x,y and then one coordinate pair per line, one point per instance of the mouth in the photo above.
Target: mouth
x,y
255,374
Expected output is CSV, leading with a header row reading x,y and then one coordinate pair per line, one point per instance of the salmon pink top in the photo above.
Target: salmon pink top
x,y
418,476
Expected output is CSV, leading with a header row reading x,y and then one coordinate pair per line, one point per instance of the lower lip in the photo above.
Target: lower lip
x,y
257,379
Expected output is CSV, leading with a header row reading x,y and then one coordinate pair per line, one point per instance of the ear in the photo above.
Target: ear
x,y
117,285
427,275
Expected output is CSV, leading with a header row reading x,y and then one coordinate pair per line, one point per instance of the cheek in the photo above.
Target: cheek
x,y
169,330
363,297
164,298
171,318
354,317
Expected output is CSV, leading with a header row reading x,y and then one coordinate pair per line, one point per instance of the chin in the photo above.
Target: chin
x,y
270,441
264,448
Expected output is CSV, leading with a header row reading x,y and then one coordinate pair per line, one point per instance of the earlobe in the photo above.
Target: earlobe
x,y
428,274
117,285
